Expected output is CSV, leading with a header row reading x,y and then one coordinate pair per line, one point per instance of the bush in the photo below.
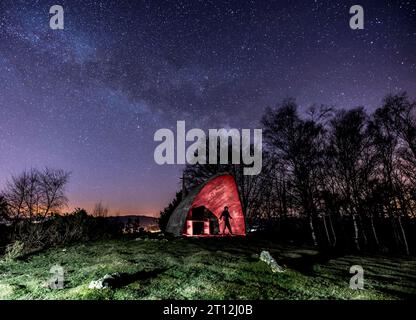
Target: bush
x,y
13,251
64,229
167,212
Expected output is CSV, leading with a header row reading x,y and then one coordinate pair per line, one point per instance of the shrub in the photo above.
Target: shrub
x,y
14,250
64,229
167,212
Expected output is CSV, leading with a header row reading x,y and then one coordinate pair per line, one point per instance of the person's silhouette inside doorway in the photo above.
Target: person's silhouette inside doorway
x,y
225,215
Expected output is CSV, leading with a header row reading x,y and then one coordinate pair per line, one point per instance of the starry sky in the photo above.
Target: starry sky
x,y
89,98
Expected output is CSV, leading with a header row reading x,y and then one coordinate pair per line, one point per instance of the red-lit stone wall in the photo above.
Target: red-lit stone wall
x,y
215,195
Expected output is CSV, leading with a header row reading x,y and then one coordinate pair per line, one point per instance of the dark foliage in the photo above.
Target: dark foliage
x,y
64,229
167,212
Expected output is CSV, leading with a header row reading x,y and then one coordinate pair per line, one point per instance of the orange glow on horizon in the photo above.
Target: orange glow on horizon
x,y
154,213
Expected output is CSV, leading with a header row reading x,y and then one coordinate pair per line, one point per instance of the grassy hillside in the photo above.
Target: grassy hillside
x,y
203,269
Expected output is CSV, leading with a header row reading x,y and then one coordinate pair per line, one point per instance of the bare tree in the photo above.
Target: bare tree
x,y
297,143
36,194
348,147
100,210
394,133
51,185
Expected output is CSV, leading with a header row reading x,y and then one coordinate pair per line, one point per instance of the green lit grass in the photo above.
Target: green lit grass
x,y
204,269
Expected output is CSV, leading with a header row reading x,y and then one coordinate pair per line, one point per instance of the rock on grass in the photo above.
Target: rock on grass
x,y
105,282
269,260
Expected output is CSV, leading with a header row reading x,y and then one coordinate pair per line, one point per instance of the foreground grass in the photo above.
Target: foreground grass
x,y
204,269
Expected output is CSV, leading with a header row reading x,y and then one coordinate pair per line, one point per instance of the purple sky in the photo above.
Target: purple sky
x,y
89,98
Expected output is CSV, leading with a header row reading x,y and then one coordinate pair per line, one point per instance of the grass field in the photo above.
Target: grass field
x,y
204,269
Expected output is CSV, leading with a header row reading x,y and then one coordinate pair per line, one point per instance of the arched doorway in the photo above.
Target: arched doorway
x,y
201,222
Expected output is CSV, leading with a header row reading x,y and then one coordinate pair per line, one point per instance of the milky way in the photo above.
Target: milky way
x,y
89,98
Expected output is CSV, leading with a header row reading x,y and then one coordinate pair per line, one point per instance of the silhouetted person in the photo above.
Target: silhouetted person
x,y
226,216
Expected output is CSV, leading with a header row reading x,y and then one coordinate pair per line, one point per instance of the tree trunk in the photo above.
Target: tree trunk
x,y
315,242
404,212
326,231
374,230
363,232
356,232
284,200
334,236
395,233
406,246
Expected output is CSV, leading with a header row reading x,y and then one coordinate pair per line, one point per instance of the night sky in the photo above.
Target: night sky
x,y
89,98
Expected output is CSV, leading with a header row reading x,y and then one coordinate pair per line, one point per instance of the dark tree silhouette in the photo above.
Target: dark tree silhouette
x,y
167,212
297,143
392,129
350,163
3,209
36,194
100,210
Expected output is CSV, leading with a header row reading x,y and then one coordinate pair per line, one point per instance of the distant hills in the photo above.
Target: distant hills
x,y
143,221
